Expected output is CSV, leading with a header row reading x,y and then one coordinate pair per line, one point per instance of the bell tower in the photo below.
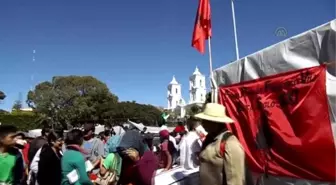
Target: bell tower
x,y
174,94
197,88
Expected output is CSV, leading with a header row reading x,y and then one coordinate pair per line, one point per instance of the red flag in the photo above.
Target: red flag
x,y
202,29
283,123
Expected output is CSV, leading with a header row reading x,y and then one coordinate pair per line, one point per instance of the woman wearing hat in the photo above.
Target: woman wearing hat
x,y
222,158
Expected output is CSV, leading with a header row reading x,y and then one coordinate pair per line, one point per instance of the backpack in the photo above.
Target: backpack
x,y
248,174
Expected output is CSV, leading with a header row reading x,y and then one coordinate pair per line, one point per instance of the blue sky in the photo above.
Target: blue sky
x,y
135,46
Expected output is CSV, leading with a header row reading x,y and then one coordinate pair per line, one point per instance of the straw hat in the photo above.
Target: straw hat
x,y
214,112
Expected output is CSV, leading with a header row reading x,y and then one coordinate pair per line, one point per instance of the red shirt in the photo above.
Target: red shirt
x,y
25,153
179,129
163,160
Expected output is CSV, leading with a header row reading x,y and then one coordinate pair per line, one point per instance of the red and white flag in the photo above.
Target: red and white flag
x,y
283,123
202,28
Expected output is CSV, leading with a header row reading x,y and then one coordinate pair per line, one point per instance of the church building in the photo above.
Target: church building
x,y
197,93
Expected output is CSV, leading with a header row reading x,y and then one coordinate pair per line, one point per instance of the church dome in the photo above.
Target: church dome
x,y
174,82
197,72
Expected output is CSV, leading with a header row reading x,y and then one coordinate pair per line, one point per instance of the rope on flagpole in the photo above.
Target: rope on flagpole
x,y
235,29
212,80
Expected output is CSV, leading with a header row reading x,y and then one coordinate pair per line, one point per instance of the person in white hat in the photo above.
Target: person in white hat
x,y
222,158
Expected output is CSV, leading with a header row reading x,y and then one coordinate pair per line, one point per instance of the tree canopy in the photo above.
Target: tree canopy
x,y
17,105
146,114
69,100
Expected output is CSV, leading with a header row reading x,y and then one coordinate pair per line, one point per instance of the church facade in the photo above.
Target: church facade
x,y
197,94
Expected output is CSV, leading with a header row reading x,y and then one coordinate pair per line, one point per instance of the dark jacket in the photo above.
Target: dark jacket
x,y
50,172
35,145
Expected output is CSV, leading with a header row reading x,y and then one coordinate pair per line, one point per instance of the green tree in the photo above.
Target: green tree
x,y
146,114
208,97
3,112
69,99
17,106
23,122
194,109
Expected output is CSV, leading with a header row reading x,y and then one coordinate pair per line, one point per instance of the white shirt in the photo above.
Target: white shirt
x,y
34,163
34,166
173,140
190,147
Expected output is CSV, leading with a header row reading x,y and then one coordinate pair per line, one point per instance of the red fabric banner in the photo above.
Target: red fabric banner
x,y
283,123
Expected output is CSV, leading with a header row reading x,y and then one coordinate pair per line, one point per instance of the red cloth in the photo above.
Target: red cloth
x,y
163,158
164,134
25,153
93,176
139,173
179,129
283,123
202,29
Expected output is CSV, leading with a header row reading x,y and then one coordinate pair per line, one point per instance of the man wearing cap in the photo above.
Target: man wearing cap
x,y
222,158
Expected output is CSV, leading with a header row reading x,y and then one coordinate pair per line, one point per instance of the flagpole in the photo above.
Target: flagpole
x,y
212,82
234,28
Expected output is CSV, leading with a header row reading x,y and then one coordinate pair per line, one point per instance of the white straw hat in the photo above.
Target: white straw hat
x,y
214,112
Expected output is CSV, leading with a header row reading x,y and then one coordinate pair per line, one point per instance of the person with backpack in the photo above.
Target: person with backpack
x,y
110,167
167,151
222,157
93,146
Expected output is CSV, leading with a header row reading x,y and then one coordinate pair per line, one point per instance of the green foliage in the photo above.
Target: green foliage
x,y
208,97
23,122
194,109
2,95
172,115
146,114
3,112
17,106
19,112
71,100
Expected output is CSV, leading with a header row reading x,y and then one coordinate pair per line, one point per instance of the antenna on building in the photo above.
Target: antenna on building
x,y
20,97
32,75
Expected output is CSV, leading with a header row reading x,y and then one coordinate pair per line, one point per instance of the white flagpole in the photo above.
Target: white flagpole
x,y
212,81
234,28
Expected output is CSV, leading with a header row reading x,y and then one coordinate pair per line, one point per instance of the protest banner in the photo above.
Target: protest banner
x,y
283,123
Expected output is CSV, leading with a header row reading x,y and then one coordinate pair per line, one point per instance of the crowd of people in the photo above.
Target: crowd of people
x,y
79,157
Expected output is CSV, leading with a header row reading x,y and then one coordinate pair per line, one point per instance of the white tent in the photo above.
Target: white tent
x,y
35,133
154,130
